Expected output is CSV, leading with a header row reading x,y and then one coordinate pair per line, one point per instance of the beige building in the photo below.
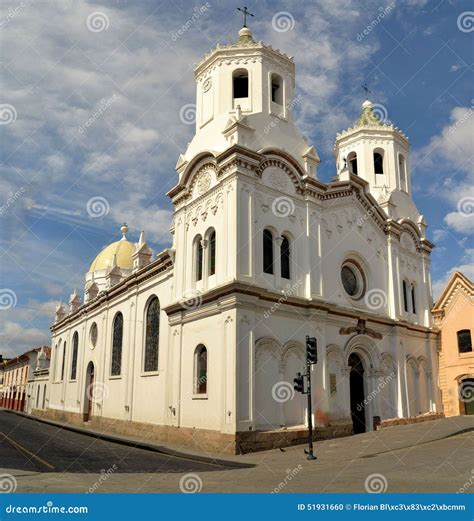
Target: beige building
x,y
454,315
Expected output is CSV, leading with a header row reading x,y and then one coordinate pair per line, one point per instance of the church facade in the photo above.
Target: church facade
x,y
199,345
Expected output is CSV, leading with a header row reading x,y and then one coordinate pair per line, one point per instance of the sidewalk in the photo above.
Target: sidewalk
x,y
328,451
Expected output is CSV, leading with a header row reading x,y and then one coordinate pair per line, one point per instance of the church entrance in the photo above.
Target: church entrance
x,y
466,394
89,392
356,383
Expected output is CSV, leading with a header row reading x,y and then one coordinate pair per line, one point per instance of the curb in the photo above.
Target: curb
x,y
135,443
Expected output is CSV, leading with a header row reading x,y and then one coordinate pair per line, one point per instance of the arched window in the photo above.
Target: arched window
x,y
267,252
285,258
44,397
402,172
200,369
378,162
277,89
405,295
37,396
413,299
198,257
152,337
240,83
464,341
117,345
63,364
212,253
352,162
75,347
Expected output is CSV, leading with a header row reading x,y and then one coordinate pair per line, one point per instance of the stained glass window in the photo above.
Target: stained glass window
x,y
75,347
152,335
117,345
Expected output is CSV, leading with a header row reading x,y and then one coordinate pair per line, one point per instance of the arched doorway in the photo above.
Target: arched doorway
x,y
88,392
466,395
357,393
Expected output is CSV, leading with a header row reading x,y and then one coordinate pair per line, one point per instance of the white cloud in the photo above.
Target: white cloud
x,y
460,223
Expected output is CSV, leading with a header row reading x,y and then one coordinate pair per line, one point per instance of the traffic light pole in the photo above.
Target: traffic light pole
x,y
309,452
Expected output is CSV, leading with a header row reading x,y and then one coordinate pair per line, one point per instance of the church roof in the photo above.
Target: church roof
x,y
122,250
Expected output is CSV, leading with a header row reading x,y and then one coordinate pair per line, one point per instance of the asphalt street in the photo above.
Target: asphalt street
x,y
27,444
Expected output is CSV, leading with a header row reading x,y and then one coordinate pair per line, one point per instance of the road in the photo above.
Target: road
x,y
30,445
434,456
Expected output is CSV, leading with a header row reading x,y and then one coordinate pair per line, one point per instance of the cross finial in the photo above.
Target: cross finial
x,y
367,90
246,13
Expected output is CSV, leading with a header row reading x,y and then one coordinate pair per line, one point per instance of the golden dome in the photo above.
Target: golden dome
x,y
123,250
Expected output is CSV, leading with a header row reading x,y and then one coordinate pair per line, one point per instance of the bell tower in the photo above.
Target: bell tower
x,y
378,152
245,96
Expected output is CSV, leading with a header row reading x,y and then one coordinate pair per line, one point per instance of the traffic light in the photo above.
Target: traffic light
x,y
311,350
298,383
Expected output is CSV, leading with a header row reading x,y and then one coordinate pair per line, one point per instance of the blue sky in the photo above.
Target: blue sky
x,y
96,113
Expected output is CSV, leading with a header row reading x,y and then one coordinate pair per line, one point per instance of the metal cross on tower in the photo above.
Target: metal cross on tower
x,y
246,13
367,90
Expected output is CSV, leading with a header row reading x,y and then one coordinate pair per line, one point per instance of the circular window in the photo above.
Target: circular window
x,y
93,335
353,280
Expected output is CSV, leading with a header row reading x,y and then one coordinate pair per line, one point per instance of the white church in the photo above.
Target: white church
x,y
199,344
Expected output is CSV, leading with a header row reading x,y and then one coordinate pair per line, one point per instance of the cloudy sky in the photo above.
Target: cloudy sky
x,y
91,130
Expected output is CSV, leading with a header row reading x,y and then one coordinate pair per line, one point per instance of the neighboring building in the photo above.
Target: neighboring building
x,y
38,382
202,342
3,361
454,316
17,373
